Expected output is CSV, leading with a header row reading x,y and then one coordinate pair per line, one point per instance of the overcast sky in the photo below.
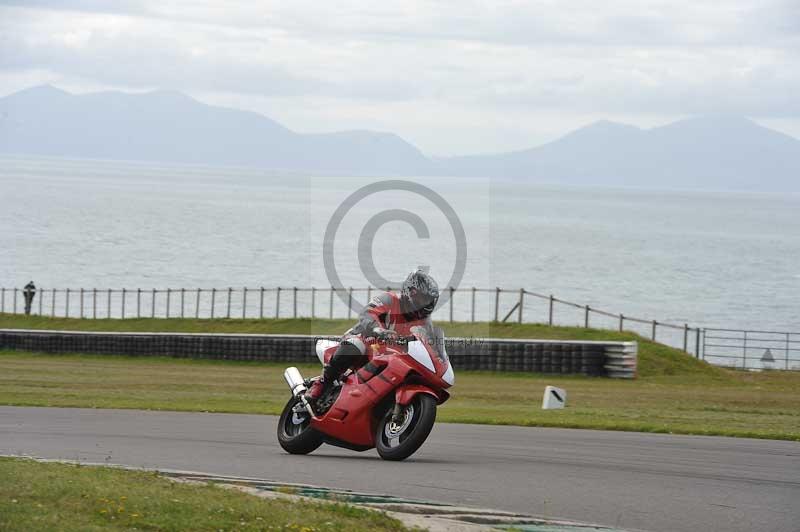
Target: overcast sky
x,y
451,77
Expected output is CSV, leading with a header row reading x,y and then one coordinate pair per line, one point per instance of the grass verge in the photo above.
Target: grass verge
x,y
719,402
64,497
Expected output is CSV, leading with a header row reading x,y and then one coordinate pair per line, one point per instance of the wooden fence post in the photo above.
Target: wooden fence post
x,y
586,317
452,291
349,302
655,323
472,308
787,350
744,351
697,343
621,322
686,337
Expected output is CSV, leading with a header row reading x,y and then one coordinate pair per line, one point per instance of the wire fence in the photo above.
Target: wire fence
x,y
750,349
462,304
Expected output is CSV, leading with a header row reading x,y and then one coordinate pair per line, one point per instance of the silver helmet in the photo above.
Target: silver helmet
x,y
419,295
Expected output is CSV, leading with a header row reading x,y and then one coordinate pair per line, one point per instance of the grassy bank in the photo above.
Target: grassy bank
x,y
52,496
654,358
722,402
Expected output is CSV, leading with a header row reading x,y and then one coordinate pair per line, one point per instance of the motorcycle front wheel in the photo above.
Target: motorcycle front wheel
x,y
295,433
397,440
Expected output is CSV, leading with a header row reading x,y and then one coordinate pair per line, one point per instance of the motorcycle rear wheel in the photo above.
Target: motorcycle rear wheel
x,y
295,433
397,441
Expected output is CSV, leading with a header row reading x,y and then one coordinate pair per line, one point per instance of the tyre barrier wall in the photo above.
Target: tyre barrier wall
x,y
606,359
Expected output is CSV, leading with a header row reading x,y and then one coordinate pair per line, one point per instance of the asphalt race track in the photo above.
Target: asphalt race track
x,y
639,481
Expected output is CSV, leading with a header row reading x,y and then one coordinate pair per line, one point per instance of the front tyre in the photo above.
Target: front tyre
x,y
295,433
399,440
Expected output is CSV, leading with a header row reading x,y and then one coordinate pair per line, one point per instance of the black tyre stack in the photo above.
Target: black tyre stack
x,y
615,359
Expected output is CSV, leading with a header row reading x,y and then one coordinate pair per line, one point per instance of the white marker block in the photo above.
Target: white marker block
x,y
554,398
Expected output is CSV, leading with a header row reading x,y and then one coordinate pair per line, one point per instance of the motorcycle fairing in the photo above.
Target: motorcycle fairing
x,y
405,394
350,418
420,353
325,349
449,377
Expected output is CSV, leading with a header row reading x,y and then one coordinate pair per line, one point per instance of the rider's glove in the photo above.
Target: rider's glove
x,y
384,334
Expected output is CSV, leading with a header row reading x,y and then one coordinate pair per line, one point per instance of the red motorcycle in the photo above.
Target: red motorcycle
x,y
389,404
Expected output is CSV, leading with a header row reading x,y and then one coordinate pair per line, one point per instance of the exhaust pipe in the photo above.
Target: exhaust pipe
x,y
297,385
295,381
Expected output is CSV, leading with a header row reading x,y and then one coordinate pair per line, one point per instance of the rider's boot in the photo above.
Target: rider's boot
x,y
344,357
316,390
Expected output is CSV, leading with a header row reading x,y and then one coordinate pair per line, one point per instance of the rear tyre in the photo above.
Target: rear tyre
x,y
295,433
397,441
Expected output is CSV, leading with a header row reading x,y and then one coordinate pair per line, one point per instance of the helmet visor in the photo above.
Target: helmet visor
x,y
421,303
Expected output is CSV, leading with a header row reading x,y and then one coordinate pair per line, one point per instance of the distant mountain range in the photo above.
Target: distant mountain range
x,y
715,152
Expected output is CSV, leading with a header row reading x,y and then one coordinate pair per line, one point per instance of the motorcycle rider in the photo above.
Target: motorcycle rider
x,y
385,318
